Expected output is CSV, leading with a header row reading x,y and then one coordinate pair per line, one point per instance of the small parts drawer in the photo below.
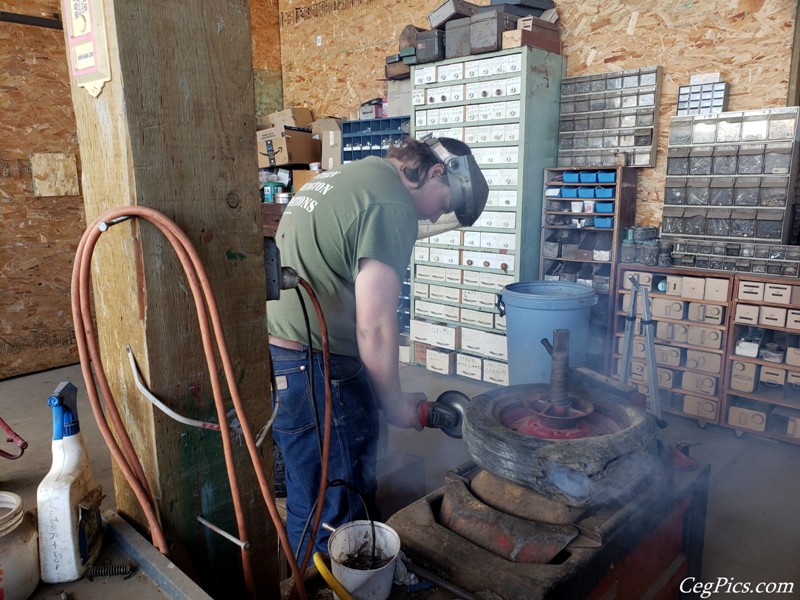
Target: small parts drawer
x,y
772,376
743,376
644,279
672,332
793,319
668,309
751,291
746,314
696,382
746,418
705,313
668,356
700,407
704,361
703,336
772,316
778,293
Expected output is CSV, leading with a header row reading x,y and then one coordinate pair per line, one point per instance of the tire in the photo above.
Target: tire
x,y
576,471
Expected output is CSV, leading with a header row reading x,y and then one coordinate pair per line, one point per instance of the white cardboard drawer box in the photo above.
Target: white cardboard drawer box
x,y
469,366
476,298
668,309
442,292
705,313
495,372
743,376
704,336
716,289
778,293
434,334
476,317
772,316
444,256
436,310
694,288
673,332
441,362
484,343
745,313
431,273
644,279
420,290
751,291
695,382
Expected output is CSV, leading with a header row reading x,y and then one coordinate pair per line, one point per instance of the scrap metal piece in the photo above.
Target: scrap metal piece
x,y
517,540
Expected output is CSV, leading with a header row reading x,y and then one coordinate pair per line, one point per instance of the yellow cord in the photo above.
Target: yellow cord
x,y
334,584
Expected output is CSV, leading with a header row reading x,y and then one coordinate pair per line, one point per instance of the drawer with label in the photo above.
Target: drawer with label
x,y
672,332
746,418
668,356
746,314
469,366
498,220
420,290
435,334
440,362
778,293
448,238
772,376
772,316
495,372
751,291
431,273
668,309
476,298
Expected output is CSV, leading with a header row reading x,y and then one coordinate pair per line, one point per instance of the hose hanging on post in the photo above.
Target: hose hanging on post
x,y
207,310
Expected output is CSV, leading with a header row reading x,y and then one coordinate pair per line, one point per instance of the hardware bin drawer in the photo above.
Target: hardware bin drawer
x,y
700,407
751,290
772,316
746,314
709,362
743,376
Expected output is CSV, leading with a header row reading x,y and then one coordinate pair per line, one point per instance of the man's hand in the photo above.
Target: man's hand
x,y
401,409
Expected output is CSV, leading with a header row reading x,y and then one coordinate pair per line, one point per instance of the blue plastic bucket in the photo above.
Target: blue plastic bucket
x,y
533,310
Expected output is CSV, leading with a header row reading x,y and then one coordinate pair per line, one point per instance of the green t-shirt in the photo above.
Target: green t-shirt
x,y
360,210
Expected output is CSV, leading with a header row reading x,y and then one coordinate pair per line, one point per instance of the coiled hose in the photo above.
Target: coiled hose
x,y
207,311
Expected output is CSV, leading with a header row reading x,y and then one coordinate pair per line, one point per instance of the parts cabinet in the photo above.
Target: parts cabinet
x,y
690,337
505,106
762,386
584,214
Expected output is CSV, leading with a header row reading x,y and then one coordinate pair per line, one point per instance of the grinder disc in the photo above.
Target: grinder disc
x,y
458,401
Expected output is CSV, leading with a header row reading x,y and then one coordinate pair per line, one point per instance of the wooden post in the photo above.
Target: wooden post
x,y
174,130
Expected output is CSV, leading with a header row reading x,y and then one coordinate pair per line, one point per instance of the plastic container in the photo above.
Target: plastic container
x,y
588,176
569,192
350,538
70,526
533,310
604,222
570,177
604,207
606,176
19,551
604,192
585,192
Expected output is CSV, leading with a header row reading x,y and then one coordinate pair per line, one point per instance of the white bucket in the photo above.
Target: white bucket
x,y
364,584
19,549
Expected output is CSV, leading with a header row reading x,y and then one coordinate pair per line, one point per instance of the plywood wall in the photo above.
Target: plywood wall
x,y
748,41
38,233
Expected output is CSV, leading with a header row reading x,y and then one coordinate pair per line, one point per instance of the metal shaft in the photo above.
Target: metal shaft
x,y
559,368
648,327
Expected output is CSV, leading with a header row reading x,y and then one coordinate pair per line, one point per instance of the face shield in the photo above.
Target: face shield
x,y
467,186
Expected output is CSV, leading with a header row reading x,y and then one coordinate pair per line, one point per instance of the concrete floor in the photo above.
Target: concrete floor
x,y
753,527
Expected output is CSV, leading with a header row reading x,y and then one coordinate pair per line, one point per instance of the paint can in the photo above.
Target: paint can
x,y
283,198
19,549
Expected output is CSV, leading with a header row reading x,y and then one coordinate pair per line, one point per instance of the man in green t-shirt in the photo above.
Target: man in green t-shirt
x,y
349,233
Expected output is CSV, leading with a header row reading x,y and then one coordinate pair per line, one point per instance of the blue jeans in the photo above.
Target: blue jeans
x,y
353,446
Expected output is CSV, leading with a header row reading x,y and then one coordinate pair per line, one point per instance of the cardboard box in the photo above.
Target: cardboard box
x,y
548,41
469,366
278,146
291,117
752,291
772,316
451,9
398,97
695,382
746,314
708,362
694,287
778,293
791,417
329,132
441,362
700,407
716,289
300,177
747,418
743,376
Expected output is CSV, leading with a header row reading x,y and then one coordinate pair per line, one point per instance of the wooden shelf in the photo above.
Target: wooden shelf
x,y
675,344
582,214
678,298
671,368
771,395
762,362
622,313
580,260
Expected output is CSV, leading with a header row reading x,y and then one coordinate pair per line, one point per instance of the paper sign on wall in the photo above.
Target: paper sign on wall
x,y
87,46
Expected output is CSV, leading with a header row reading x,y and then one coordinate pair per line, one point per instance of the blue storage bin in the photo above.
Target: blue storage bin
x,y
588,176
585,192
604,192
569,192
571,177
606,176
604,207
604,222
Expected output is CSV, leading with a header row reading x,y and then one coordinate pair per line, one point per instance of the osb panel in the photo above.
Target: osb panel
x,y
266,35
48,9
747,41
54,174
38,235
347,68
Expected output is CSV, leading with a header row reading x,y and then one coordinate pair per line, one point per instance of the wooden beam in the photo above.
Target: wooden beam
x,y
174,130
793,93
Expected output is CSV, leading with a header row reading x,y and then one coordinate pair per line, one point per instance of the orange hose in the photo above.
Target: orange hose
x,y
207,309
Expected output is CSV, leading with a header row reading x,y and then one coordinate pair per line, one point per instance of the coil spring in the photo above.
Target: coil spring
x,y
123,571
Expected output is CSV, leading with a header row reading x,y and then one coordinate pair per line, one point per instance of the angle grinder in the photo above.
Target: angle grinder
x,y
446,413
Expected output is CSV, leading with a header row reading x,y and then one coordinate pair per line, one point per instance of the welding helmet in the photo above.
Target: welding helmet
x,y
467,184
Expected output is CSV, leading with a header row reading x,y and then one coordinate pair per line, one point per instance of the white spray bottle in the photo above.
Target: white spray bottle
x,y
68,501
